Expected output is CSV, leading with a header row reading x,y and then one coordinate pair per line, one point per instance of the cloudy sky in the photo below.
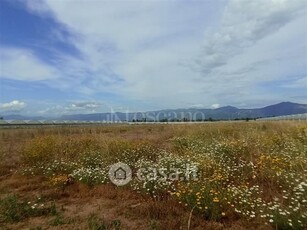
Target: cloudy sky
x,y
77,56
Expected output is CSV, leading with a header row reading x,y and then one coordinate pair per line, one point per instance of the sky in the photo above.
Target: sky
x,y
90,56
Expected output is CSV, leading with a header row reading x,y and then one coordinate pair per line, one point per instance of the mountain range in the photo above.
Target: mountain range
x,y
222,113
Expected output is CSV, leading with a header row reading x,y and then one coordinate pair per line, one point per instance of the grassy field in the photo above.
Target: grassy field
x,y
232,175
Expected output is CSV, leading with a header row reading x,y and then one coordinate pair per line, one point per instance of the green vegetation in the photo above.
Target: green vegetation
x,y
13,209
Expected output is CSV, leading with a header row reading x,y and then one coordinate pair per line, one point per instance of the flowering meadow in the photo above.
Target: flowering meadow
x,y
249,171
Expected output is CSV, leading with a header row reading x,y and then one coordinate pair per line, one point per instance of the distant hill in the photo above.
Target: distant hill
x,y
284,108
222,113
20,117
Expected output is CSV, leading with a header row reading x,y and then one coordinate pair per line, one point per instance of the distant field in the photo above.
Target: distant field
x,y
223,175
38,124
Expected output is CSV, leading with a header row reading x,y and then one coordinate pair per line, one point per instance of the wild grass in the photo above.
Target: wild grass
x,y
250,171
14,209
96,223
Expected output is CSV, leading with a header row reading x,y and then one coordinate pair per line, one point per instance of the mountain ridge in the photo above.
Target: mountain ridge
x,y
222,113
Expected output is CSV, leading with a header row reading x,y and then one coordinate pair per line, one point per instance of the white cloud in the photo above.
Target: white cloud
x,y
12,106
130,48
77,107
245,23
143,50
258,45
197,106
22,64
298,83
215,106
86,105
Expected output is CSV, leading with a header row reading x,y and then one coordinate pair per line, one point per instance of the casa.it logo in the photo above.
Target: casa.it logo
x,y
120,174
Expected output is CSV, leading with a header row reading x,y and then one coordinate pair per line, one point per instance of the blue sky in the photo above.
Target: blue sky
x,y
77,56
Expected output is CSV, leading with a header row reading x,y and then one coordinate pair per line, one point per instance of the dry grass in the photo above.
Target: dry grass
x,y
93,205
